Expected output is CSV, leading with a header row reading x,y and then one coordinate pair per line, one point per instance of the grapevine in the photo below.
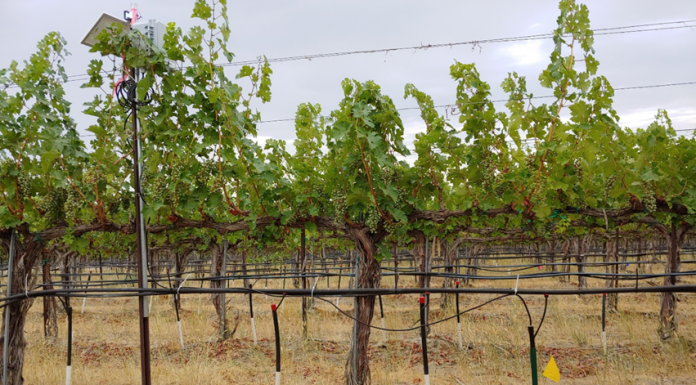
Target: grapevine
x,y
649,198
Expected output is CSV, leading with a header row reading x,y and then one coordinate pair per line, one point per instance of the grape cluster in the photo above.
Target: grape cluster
x,y
608,186
92,176
113,209
205,173
23,185
391,176
580,203
529,162
390,226
339,201
489,172
217,181
539,185
649,200
500,190
175,177
51,205
373,218
578,169
72,204
157,188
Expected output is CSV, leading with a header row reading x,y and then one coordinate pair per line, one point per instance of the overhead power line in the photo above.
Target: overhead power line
x,y
637,28
473,43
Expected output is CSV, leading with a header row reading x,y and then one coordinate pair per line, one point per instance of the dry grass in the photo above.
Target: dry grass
x,y
106,342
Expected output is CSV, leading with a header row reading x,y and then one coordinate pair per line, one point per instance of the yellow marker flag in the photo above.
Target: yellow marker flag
x,y
551,372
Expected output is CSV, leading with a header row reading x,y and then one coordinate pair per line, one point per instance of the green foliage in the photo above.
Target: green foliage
x,y
41,155
530,170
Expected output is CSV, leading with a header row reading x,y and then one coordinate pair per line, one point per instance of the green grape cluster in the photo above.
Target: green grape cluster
x,y
92,176
205,173
113,209
373,218
339,201
390,226
500,187
156,188
489,172
578,169
175,177
23,185
608,186
579,202
529,162
51,205
539,186
72,204
649,197
391,176
217,181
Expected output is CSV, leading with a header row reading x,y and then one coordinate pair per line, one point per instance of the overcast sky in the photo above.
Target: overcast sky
x,y
289,28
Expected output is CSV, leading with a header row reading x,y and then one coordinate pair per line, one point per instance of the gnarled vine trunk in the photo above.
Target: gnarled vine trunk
x,y
668,310
180,259
612,254
357,370
582,245
27,251
49,303
450,254
217,270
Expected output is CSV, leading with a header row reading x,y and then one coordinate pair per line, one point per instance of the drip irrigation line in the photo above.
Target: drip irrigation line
x,y
525,305
124,292
543,316
415,327
595,275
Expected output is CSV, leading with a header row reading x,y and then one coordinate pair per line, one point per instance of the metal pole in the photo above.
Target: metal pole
x,y
355,322
532,355
426,278
304,281
251,312
459,322
68,369
424,341
223,273
143,309
6,346
277,341
381,311
604,333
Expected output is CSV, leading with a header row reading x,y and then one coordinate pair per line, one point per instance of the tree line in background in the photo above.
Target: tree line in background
x,y
558,172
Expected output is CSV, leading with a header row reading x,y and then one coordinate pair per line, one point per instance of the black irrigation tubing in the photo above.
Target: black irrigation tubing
x,y
543,316
415,327
525,306
594,275
627,276
321,273
604,276
589,264
317,270
134,292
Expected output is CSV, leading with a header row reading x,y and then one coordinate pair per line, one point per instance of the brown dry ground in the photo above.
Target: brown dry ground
x,y
106,349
